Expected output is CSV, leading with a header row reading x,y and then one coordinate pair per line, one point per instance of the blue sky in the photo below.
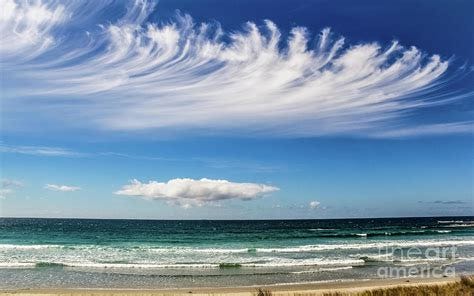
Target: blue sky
x,y
237,109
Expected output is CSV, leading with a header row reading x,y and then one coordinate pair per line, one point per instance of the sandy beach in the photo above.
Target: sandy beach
x,y
347,287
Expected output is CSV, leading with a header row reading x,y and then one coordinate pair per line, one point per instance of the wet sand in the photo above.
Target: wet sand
x,y
276,290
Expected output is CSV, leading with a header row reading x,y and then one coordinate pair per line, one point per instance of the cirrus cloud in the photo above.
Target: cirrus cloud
x,y
191,192
125,74
39,150
63,188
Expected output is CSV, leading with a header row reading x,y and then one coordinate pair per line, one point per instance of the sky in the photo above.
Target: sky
x,y
236,109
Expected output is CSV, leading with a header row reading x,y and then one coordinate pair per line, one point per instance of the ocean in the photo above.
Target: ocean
x,y
145,254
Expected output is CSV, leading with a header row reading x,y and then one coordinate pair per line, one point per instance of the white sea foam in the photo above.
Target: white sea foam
x,y
139,258
27,247
466,258
140,265
16,264
293,249
454,221
274,262
322,269
284,262
270,262
459,225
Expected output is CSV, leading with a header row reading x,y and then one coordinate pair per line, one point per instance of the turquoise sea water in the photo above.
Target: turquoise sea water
x,y
138,254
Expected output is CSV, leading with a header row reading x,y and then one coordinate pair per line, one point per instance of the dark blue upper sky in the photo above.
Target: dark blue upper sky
x,y
436,26
115,92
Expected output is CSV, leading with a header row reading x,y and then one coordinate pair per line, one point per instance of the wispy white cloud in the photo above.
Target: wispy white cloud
x,y
66,152
63,188
132,156
446,202
234,164
8,187
26,27
39,150
190,192
431,129
11,183
131,75
300,207
4,192
215,163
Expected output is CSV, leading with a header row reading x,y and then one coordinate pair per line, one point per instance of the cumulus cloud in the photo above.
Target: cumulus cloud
x,y
190,192
314,204
63,188
8,187
124,74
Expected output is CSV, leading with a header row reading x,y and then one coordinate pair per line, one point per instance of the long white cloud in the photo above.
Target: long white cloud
x,y
190,192
7,187
39,150
63,188
131,75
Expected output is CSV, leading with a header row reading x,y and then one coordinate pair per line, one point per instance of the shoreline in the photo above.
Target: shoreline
x,y
319,288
